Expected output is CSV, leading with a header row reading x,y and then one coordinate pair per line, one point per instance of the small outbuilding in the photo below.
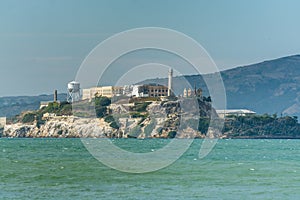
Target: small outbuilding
x,y
234,112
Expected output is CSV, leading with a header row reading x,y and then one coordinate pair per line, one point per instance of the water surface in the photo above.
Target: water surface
x,y
235,169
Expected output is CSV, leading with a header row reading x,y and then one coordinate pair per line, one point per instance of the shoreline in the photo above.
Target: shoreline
x,y
161,138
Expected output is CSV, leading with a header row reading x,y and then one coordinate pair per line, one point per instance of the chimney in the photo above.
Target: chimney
x,y
55,96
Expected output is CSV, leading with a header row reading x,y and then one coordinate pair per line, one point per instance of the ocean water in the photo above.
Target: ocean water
x,y
235,169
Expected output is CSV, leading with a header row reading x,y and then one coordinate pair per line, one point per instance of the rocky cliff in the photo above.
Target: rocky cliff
x,y
157,119
58,127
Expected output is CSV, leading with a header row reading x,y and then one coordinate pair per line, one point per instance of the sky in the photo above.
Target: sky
x,y
44,42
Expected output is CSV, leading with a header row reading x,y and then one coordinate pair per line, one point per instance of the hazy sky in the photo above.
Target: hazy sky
x,y
43,43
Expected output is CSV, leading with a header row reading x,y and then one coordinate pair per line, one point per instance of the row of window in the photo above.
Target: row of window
x,y
157,95
159,90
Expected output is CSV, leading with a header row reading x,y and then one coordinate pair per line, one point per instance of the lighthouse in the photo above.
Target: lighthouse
x,y
170,82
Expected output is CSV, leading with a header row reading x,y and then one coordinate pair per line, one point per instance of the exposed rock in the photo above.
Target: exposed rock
x,y
59,127
158,121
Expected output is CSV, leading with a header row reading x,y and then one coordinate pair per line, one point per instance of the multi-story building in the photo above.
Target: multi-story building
x,y
140,91
157,90
152,90
107,91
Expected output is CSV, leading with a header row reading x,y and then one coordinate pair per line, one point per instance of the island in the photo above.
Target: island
x,y
147,117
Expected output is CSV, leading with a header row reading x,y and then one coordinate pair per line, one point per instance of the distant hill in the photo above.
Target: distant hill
x,y
268,87
11,106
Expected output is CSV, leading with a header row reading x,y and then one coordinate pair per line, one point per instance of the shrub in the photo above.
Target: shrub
x,y
102,101
136,115
159,130
101,111
109,119
141,106
114,125
203,125
28,118
172,134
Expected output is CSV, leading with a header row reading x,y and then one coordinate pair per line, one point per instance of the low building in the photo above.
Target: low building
x,y
107,91
234,112
151,90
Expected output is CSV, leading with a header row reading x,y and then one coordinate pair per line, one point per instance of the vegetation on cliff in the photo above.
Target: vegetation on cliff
x,y
262,126
156,118
29,117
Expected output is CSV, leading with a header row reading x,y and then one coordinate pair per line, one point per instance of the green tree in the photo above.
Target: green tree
x,y
101,104
101,111
28,118
102,101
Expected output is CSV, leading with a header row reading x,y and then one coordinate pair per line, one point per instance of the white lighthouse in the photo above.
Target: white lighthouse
x,y
170,82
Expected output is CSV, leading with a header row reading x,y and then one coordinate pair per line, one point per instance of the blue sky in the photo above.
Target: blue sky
x,y
43,43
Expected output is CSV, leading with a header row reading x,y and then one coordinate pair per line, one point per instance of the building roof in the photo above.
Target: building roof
x,y
235,111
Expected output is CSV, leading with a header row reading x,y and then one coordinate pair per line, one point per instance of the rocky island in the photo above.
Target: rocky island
x,y
141,118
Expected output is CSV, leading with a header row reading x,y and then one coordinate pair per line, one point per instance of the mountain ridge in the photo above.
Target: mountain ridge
x,y
270,86
14,105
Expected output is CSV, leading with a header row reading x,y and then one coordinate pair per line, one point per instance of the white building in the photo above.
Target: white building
x,y
127,90
107,91
139,91
234,112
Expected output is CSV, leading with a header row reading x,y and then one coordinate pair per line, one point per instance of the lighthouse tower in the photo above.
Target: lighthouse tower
x,y
170,82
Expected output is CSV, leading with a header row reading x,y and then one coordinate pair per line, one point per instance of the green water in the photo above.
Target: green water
x,y
235,169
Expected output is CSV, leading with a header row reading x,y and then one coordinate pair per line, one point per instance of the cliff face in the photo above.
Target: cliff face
x,y
58,127
156,120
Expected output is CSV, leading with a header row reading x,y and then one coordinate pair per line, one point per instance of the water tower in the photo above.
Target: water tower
x,y
73,91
